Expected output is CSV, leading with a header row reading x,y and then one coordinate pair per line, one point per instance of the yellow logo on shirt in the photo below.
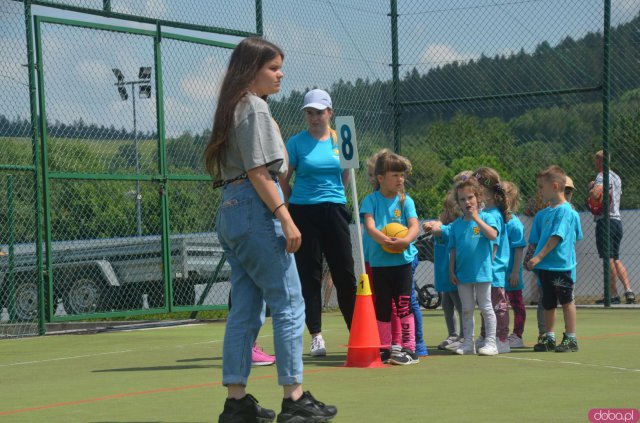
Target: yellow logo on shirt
x,y
397,212
476,230
336,152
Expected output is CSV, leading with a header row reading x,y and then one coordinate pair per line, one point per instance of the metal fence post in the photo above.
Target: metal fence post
x,y
395,69
606,86
35,147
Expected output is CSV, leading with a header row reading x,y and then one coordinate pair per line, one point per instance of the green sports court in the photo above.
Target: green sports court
x,y
173,374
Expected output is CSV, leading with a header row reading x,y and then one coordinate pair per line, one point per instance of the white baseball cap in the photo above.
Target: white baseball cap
x,y
569,183
317,99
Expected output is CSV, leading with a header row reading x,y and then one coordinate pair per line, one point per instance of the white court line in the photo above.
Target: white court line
x,y
571,363
116,330
163,348
19,363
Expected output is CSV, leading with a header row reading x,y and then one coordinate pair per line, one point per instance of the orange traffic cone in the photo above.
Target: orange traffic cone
x,y
364,340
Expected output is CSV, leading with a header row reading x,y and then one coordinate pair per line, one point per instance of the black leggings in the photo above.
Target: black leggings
x,y
392,283
325,231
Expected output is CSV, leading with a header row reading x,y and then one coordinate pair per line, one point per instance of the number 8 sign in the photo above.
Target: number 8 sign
x,y
346,130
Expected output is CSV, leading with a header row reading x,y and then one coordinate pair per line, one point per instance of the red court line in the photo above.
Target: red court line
x,y
610,335
135,394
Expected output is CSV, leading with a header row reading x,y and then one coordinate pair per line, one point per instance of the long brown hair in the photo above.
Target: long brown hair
x,y
512,195
246,60
489,179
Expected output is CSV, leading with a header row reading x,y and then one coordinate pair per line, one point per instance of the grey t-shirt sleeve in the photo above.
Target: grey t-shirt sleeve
x,y
258,138
259,142
254,141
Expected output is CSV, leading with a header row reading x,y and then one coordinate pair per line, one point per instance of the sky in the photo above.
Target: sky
x,y
324,41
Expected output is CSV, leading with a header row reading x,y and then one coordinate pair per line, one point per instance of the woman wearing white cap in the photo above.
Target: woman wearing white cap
x,y
317,205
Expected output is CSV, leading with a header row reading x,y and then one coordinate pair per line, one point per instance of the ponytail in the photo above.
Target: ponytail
x,y
500,198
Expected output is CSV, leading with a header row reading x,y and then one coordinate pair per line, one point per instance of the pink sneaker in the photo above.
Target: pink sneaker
x,y
261,358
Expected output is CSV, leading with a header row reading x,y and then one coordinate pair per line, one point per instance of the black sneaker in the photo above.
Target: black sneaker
x,y
404,357
614,300
244,410
385,355
545,343
630,297
568,344
305,409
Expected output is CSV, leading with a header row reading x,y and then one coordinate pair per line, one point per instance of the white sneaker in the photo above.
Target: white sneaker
x,y
466,350
450,340
515,341
489,348
455,345
318,348
503,346
479,342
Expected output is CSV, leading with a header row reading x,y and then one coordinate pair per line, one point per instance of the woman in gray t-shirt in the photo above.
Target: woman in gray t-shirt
x,y
246,154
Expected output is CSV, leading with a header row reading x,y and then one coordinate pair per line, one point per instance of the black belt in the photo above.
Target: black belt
x,y
225,182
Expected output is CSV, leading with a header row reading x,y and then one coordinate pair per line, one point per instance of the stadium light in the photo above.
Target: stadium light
x,y
144,79
144,72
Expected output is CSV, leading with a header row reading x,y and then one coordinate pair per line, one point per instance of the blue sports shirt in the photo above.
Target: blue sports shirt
x,y
501,260
441,261
515,235
386,210
318,174
563,222
473,249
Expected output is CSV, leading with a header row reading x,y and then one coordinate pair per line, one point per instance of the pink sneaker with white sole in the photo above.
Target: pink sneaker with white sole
x,y
261,358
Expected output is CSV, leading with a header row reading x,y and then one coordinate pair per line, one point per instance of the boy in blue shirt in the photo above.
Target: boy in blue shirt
x,y
554,259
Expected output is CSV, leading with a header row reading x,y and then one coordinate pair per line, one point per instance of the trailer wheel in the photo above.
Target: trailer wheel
x,y
26,301
83,296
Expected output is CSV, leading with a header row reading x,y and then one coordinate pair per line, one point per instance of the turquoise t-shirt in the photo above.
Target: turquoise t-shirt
x,y
579,236
441,261
501,260
473,249
318,173
536,229
515,235
563,222
386,210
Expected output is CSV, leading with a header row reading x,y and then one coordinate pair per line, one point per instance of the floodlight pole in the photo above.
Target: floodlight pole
x,y
121,83
135,143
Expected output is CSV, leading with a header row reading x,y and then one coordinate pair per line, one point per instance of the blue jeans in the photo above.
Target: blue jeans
x,y
261,271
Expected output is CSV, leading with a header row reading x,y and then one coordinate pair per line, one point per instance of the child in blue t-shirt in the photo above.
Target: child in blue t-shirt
x,y
450,299
534,237
554,259
392,272
396,327
496,205
471,244
515,285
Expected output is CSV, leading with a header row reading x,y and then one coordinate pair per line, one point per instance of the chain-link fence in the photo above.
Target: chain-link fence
x,y
126,92
518,86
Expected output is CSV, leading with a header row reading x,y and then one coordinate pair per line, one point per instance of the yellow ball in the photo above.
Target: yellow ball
x,y
394,230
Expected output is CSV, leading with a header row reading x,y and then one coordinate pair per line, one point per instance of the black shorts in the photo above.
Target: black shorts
x,y
615,237
556,287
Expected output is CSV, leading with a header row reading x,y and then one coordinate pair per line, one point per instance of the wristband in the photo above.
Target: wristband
x,y
276,209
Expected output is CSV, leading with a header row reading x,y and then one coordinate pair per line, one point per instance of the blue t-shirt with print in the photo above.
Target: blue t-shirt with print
x,y
515,235
473,249
563,222
318,172
386,210
501,259
441,261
